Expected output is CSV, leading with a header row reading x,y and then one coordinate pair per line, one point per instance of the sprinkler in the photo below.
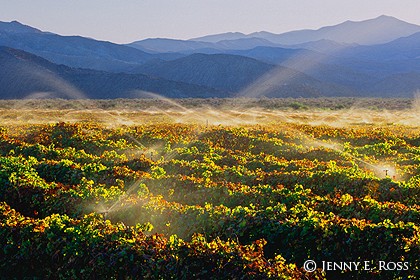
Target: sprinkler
x,y
104,213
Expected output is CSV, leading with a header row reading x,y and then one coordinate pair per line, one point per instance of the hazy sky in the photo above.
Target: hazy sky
x,y
130,20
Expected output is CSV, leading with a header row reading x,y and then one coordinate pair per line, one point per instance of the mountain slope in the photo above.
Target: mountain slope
x,y
398,85
242,75
400,49
74,51
277,55
24,75
396,57
221,71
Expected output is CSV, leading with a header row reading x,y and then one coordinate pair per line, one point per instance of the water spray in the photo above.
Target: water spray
x,y
375,168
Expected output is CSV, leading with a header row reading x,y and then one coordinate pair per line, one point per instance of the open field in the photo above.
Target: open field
x,y
209,189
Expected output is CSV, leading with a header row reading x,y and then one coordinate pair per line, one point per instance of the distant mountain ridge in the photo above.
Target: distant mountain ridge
x,y
17,27
379,30
345,35
169,45
220,37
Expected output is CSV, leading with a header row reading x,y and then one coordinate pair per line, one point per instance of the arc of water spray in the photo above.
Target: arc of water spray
x,y
59,84
333,147
169,156
131,189
197,115
301,63
141,93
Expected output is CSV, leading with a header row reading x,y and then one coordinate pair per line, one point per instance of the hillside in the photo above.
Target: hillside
x,y
241,75
219,71
24,75
73,51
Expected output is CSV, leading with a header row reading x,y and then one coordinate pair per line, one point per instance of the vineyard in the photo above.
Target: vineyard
x,y
175,196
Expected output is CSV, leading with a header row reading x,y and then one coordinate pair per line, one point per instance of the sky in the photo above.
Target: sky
x,y
126,21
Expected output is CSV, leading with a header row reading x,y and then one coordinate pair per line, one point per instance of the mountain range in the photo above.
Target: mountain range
x,y
377,58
